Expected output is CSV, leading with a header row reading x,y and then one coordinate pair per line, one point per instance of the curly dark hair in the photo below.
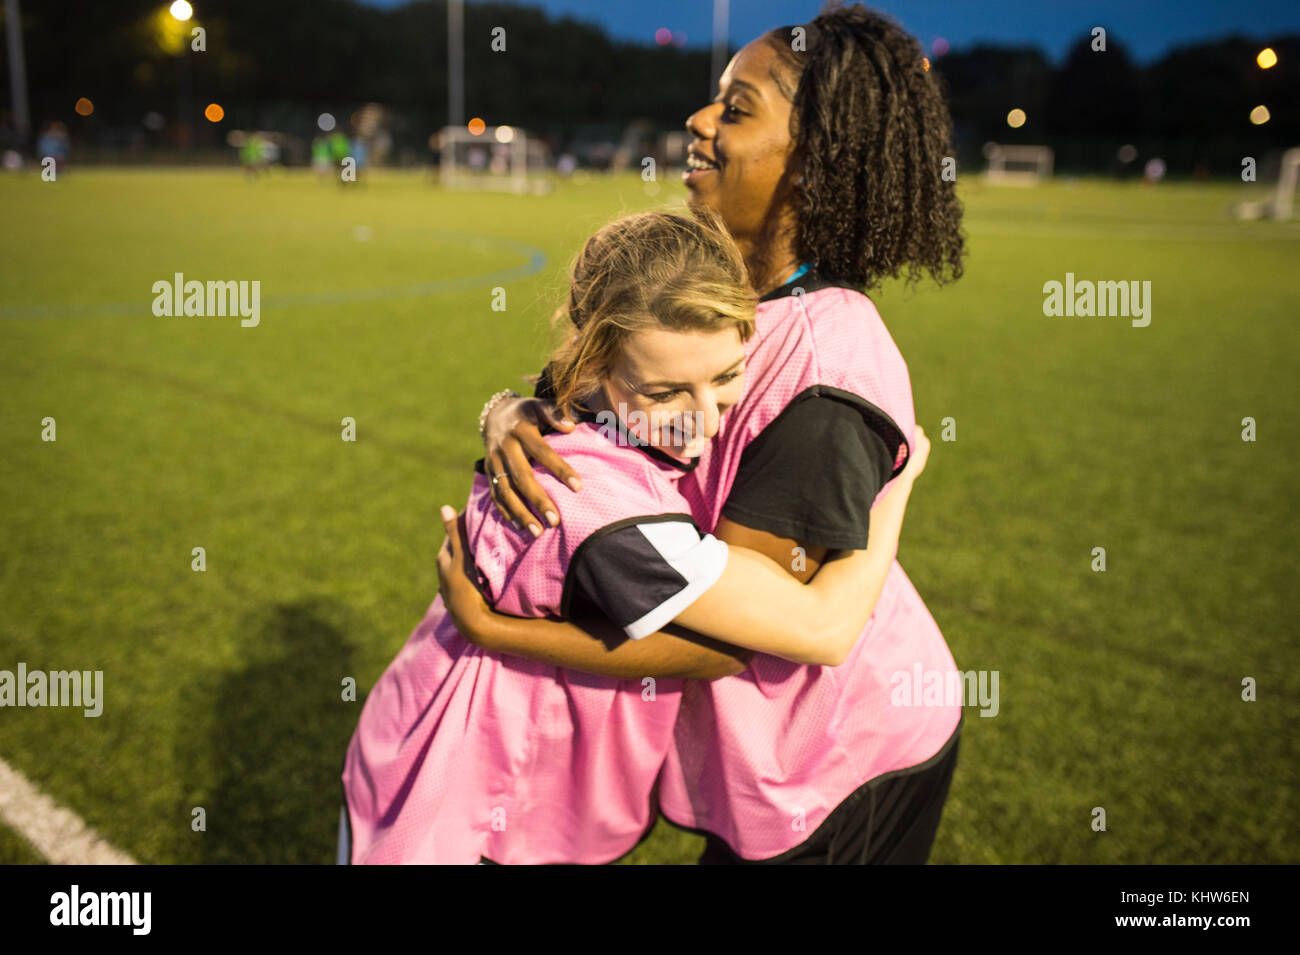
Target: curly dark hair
x,y
870,123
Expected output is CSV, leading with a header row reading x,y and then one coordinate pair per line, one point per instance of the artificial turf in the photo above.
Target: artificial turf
x,y
1119,689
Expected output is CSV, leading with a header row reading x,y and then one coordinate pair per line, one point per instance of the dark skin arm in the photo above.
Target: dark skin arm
x,y
596,645
513,436
780,549
757,602
514,439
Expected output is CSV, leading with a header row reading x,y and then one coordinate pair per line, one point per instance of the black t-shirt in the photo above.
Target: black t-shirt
x,y
813,473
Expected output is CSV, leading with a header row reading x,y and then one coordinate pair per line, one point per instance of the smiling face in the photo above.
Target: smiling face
x,y
741,163
671,388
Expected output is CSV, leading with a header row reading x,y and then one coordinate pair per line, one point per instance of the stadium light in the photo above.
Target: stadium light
x,y
181,10
1260,115
1267,59
1016,118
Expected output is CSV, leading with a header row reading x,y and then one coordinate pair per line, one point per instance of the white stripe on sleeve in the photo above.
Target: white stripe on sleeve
x,y
701,560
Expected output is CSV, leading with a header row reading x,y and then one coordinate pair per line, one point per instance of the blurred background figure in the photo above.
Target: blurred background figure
x,y
360,153
320,156
53,142
256,154
371,135
339,147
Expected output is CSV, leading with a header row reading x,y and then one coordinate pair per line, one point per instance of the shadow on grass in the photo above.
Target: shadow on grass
x,y
266,765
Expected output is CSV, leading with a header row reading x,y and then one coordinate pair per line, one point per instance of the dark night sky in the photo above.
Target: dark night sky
x,y
1149,28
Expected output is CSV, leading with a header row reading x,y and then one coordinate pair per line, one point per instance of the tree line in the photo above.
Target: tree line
x,y
277,65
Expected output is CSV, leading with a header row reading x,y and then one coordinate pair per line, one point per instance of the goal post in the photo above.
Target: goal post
x,y
1017,165
1280,203
1284,195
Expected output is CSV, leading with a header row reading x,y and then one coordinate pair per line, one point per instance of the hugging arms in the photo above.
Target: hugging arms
x,y
756,605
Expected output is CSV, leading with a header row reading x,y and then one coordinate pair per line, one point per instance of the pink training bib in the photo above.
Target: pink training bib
x,y
761,759
460,753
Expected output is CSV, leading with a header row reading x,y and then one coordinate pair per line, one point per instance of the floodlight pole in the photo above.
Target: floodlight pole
x,y
455,62
17,71
185,98
720,45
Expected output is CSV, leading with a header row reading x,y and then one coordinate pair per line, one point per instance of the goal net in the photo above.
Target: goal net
x,y
496,159
1017,165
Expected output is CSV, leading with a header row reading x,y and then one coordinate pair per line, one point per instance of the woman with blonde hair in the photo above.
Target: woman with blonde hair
x,y
463,755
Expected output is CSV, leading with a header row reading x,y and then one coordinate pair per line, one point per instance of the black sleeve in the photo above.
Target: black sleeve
x,y
543,388
642,572
813,473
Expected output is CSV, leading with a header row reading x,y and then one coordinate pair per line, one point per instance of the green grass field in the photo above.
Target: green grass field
x,y
1120,690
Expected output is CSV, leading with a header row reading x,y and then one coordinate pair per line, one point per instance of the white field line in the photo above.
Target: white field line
x,y
59,834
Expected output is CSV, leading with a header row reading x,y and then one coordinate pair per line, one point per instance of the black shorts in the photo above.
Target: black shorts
x,y
890,820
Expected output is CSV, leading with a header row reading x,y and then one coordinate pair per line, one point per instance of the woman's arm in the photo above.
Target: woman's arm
x,y
755,603
593,646
512,437
598,646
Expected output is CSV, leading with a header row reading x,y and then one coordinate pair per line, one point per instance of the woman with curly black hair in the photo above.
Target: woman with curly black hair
x,y
823,154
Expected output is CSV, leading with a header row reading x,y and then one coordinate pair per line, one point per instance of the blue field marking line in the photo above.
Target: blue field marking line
x,y
536,261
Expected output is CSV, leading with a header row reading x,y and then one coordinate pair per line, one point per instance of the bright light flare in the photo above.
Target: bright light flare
x,y
181,10
1016,118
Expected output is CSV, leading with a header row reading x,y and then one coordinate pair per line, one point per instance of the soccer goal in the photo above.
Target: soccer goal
x,y
1280,203
1017,165
496,159
673,145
